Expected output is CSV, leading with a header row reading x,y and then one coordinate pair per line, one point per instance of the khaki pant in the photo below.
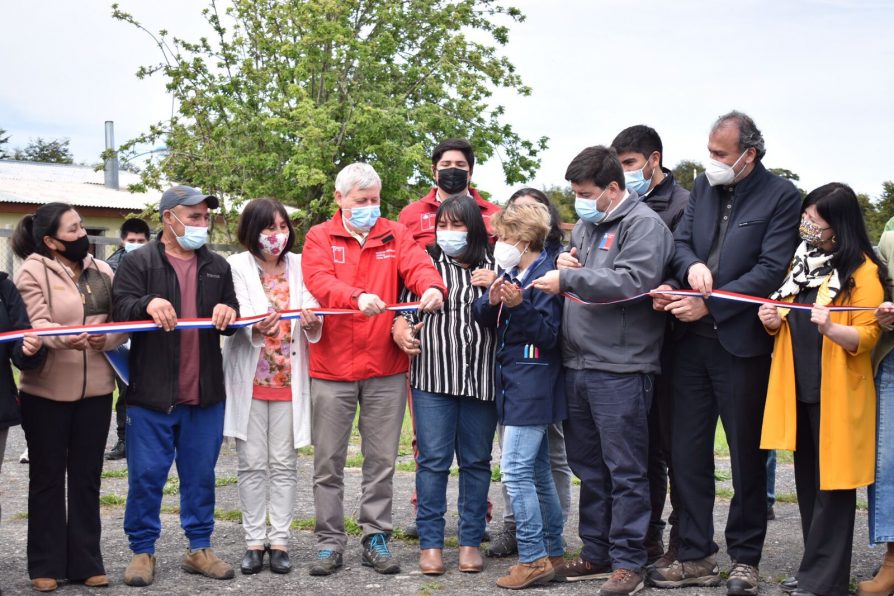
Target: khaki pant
x,y
382,402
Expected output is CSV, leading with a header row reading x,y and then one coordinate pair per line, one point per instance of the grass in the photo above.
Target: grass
x,y
172,486
122,473
112,500
21,515
226,480
721,447
429,587
230,515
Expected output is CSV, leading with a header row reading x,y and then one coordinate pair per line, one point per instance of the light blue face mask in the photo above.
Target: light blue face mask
x,y
193,238
131,246
636,182
586,209
452,242
364,218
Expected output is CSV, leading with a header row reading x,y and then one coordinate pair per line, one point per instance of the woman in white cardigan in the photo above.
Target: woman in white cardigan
x,y
268,390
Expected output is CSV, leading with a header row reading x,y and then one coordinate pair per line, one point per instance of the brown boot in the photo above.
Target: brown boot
x,y
883,582
470,560
44,584
141,571
205,562
557,562
431,562
97,581
527,574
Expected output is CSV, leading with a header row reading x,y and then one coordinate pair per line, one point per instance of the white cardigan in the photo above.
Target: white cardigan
x,y
241,351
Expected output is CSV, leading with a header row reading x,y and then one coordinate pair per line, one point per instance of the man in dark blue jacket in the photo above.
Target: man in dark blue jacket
x,y
641,153
619,248
738,234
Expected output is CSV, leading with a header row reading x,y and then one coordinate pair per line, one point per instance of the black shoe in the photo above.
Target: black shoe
x,y
377,555
771,514
279,561
486,536
789,584
410,531
117,452
327,562
252,561
503,544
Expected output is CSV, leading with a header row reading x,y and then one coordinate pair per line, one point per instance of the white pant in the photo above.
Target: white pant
x,y
267,468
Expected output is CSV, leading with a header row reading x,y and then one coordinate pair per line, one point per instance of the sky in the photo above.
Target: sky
x,y
817,76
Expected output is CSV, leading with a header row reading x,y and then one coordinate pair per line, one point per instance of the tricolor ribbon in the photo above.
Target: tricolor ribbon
x,y
202,323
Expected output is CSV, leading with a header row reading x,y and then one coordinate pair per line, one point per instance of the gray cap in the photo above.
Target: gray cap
x,y
185,195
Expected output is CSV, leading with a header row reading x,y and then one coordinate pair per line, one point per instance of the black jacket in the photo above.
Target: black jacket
x,y
155,356
668,200
754,257
13,316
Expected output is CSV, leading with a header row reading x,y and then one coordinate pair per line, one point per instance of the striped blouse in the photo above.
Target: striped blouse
x,y
457,353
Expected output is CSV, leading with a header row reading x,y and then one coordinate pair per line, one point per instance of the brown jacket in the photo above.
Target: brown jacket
x,y
53,300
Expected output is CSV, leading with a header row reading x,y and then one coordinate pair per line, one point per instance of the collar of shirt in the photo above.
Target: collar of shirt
x,y
359,236
624,198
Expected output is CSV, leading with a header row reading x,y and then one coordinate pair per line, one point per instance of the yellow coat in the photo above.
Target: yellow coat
x,y
847,390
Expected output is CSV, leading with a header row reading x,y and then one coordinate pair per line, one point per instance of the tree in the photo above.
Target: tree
x,y
281,95
4,139
563,198
879,212
686,172
51,151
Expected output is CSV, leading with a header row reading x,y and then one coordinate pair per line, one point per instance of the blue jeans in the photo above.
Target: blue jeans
x,y
446,424
608,431
528,477
771,478
881,494
189,435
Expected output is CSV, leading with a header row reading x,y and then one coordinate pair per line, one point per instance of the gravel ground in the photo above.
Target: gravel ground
x,y
781,552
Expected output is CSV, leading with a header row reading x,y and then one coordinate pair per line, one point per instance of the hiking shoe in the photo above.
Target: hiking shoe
x,y
141,571
669,556
580,569
377,555
327,562
701,572
527,574
503,544
743,580
117,452
204,562
622,582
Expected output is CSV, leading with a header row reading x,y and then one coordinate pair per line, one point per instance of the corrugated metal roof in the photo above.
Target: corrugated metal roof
x,y
40,183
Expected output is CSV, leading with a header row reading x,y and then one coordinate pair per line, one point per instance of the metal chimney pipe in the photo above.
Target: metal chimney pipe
x,y
111,165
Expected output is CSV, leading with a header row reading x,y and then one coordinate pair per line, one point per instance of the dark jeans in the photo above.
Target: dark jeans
x,y
709,381
65,444
607,434
660,465
827,516
446,424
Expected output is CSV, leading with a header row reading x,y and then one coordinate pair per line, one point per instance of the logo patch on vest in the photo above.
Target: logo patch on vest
x,y
388,253
607,241
338,255
427,221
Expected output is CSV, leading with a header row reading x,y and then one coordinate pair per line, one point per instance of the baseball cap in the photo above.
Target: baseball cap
x,y
185,195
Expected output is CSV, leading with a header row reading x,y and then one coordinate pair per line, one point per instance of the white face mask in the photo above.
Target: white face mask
x,y
507,255
718,172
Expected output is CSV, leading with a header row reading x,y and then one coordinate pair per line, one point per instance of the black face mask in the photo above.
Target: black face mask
x,y
75,250
453,180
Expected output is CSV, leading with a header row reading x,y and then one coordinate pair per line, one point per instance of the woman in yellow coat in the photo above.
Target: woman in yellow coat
x,y
821,398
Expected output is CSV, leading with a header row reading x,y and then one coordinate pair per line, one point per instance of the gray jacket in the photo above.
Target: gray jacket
x,y
624,255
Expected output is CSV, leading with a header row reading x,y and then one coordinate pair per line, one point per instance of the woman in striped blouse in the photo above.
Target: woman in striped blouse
x,y
452,380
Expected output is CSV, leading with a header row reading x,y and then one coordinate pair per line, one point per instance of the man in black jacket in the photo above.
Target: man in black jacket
x,y
738,234
175,401
641,154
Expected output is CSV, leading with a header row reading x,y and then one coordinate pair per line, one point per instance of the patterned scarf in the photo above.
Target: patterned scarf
x,y
810,268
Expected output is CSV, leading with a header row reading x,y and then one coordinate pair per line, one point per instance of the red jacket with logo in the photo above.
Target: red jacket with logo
x,y
419,216
337,270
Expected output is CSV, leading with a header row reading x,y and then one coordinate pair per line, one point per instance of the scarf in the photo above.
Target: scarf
x,y
810,268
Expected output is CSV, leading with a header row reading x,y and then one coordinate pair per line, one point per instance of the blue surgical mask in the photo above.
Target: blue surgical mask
x,y
193,238
131,246
637,182
452,242
587,210
364,218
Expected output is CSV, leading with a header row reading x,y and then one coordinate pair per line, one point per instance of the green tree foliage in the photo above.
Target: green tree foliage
x,y
50,151
563,198
787,174
879,212
686,172
279,95
4,139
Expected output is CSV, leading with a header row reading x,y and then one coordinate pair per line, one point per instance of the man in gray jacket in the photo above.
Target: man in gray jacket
x,y
619,249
